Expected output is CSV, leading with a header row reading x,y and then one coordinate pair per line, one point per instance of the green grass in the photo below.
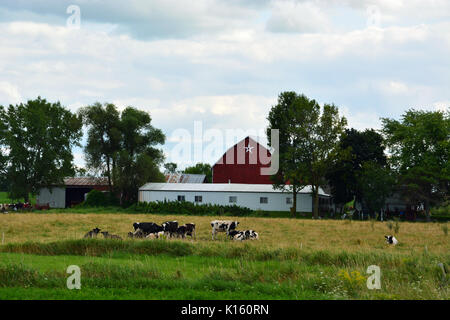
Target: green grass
x,y
293,259
179,270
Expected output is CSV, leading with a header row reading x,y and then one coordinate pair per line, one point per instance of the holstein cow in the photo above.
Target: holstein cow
x,y
92,234
244,235
190,229
223,226
391,240
147,227
107,235
170,228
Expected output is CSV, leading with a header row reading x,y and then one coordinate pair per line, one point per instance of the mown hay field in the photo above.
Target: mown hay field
x,y
293,259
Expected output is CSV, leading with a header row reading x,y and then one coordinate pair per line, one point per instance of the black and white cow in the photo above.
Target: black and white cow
x,y
190,229
223,226
170,228
244,235
147,227
391,240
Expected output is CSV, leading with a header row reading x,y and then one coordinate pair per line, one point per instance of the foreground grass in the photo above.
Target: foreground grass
x,y
294,259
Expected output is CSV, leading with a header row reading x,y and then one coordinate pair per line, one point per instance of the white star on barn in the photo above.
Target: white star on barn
x,y
248,149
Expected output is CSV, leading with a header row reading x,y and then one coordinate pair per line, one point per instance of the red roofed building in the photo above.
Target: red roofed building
x,y
242,163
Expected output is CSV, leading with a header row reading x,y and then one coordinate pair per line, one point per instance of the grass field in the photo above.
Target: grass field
x,y
293,259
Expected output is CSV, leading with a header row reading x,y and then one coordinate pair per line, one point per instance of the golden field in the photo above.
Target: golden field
x,y
330,235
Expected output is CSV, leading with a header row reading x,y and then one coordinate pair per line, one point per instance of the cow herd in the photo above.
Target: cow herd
x,y
6,207
168,229
171,229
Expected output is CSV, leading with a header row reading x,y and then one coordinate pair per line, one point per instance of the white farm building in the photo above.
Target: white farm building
x,y
254,196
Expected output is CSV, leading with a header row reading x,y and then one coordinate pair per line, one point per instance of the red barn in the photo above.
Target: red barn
x,y
242,163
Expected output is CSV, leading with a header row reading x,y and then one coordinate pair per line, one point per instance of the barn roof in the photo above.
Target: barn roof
x,y
219,187
251,137
185,178
86,181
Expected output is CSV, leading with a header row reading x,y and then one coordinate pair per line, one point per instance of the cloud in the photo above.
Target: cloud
x,y
297,17
224,63
9,93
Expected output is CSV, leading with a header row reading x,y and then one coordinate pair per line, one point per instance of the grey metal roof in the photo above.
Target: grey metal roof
x,y
185,178
219,187
86,181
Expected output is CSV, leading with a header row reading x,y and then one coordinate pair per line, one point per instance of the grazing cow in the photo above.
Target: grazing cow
x,y
147,227
223,226
92,234
391,240
170,228
181,231
190,229
107,235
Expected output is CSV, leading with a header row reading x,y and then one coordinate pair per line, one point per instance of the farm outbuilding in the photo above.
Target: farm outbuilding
x,y
72,192
254,196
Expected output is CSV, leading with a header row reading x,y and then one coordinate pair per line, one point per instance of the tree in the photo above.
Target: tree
x,y
170,167
39,136
376,184
355,149
308,142
138,159
103,141
201,168
419,145
287,176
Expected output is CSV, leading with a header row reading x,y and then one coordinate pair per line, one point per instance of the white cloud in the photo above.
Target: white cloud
x,y
294,16
9,93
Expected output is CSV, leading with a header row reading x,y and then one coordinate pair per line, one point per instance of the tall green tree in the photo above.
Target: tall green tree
x,y
308,142
419,146
287,176
345,172
103,138
39,136
376,184
201,168
139,158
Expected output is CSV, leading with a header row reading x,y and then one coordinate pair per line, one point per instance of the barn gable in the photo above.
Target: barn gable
x,y
242,163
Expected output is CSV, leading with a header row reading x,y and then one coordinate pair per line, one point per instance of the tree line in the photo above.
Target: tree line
x,y
316,148
409,156
37,137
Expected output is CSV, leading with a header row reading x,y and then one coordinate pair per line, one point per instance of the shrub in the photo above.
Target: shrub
x,y
189,208
96,198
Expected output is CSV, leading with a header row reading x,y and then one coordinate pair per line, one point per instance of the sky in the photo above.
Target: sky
x,y
209,69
